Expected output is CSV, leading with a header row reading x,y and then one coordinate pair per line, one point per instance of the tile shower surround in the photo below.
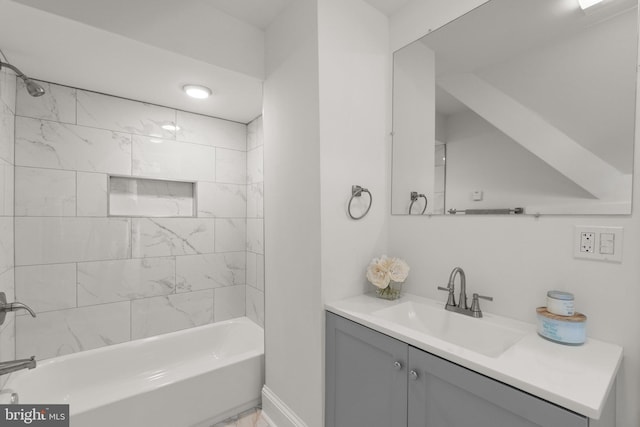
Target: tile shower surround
x,y
96,280
7,118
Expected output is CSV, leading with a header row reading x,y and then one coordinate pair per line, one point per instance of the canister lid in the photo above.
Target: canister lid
x,y
565,296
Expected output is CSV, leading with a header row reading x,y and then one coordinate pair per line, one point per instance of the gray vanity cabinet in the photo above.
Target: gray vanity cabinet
x,y
366,376
373,380
443,394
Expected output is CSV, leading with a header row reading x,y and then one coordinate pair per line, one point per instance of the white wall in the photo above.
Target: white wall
x,y
293,316
325,123
516,259
354,140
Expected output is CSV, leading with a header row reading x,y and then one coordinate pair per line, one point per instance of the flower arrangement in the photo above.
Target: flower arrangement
x,y
384,273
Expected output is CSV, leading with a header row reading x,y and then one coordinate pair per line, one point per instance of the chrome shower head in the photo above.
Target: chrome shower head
x,y
33,88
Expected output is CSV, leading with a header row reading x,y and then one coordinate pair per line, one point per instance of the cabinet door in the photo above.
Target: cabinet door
x,y
447,395
366,376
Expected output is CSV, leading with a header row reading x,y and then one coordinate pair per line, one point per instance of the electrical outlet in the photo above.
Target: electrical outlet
x,y
598,243
587,240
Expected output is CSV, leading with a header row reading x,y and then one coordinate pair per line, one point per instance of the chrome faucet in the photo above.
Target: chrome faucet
x,y
462,306
5,307
16,365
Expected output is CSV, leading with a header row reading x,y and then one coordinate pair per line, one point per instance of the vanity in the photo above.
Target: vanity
x,y
411,363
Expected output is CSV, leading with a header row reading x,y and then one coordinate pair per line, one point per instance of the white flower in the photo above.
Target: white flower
x,y
399,270
383,270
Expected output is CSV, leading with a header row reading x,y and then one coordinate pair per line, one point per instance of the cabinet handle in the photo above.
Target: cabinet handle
x,y
397,365
413,375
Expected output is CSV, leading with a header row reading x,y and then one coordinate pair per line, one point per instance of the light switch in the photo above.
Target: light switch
x,y
607,243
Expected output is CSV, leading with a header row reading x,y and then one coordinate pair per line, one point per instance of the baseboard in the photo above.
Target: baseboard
x,y
276,412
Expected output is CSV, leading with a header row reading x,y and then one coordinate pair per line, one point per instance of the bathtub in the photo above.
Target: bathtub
x,y
195,377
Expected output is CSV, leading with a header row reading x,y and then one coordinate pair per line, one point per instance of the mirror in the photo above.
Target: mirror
x,y
518,104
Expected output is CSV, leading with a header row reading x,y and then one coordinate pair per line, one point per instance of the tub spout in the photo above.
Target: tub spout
x,y
16,365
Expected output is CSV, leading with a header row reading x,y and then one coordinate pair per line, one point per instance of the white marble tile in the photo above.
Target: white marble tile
x,y
8,88
57,104
230,234
255,235
92,194
7,330
7,284
7,342
208,271
46,287
229,302
255,200
154,237
6,188
159,315
124,115
221,200
231,166
165,159
150,197
255,134
260,273
7,133
211,131
62,146
45,192
6,244
68,331
255,165
60,240
255,305
122,280
252,269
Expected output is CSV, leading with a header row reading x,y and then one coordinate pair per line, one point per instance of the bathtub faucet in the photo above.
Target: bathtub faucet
x,y
16,365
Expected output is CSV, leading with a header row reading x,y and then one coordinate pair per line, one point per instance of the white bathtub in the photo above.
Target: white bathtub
x,y
195,377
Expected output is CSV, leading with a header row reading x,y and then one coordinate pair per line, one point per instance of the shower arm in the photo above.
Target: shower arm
x,y
12,67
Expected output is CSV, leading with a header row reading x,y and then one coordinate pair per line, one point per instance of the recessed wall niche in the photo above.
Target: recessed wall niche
x,y
133,197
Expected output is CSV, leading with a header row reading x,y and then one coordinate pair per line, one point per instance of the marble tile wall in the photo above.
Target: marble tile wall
x,y
255,222
7,271
96,279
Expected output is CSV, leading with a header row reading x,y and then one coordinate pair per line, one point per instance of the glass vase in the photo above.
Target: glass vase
x,y
391,292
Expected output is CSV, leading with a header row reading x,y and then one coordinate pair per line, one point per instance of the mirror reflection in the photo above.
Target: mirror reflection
x,y
518,104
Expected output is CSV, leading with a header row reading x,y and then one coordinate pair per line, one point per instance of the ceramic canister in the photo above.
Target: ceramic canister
x,y
560,303
570,330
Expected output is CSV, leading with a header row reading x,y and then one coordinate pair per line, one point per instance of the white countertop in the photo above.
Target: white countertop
x,y
578,378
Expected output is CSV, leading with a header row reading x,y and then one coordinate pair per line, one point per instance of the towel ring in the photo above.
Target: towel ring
x,y
414,197
356,191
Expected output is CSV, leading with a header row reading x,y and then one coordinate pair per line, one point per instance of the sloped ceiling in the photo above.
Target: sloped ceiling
x,y
148,49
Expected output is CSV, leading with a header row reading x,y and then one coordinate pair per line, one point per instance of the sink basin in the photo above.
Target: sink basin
x,y
490,335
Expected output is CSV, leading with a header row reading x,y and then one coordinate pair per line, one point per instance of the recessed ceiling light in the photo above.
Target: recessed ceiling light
x,y
197,91
170,127
584,4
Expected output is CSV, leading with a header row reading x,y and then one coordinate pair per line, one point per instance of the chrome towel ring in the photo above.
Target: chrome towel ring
x,y
414,197
356,191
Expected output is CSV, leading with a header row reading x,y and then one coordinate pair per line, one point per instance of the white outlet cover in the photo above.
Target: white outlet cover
x,y
600,252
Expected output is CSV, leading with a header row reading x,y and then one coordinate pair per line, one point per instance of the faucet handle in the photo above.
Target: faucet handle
x,y
475,304
12,306
451,300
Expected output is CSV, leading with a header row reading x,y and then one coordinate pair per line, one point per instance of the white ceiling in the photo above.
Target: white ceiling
x,y
148,49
